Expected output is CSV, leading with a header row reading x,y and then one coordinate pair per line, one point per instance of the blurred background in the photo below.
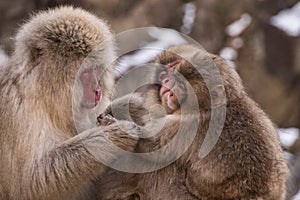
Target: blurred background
x,y
260,38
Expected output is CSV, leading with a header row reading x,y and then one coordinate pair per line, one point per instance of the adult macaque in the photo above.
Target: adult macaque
x,y
246,162
45,152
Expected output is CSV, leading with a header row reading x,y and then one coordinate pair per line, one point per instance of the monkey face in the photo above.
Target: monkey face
x,y
92,92
172,91
175,78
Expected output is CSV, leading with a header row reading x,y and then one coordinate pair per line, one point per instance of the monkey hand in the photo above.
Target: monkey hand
x,y
124,134
129,107
105,119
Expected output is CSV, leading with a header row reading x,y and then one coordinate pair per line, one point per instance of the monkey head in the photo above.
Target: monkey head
x,y
66,54
172,91
181,69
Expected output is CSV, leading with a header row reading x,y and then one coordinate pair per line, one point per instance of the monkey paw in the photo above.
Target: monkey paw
x,y
105,119
125,134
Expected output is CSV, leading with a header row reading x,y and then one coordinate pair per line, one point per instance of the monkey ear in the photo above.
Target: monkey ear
x,y
36,50
218,95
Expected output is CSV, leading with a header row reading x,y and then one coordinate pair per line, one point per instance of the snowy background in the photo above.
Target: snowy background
x,y
259,38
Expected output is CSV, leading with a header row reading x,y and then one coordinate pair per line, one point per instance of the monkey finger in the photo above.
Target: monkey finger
x,y
105,119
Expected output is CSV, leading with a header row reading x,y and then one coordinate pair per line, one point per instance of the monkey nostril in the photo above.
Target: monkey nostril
x,y
135,197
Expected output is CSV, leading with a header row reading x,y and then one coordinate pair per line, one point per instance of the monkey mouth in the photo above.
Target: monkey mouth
x,y
164,91
97,96
167,94
170,100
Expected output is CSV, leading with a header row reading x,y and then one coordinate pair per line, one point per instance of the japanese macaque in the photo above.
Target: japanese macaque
x,y
53,88
245,163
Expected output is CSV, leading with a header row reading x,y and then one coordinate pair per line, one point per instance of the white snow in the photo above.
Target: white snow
x,y
296,197
289,156
288,136
237,43
3,57
237,27
164,39
288,20
228,53
188,18
140,57
230,63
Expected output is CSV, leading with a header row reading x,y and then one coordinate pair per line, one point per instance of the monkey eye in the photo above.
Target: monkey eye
x,y
162,75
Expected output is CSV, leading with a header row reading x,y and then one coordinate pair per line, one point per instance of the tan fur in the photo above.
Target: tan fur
x,y
42,154
246,163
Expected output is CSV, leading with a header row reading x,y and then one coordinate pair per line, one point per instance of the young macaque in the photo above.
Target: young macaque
x,y
246,160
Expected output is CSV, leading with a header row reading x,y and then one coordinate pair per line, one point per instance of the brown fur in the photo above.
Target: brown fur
x,y
246,163
42,154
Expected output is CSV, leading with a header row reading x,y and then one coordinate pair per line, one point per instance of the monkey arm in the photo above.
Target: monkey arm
x,y
236,168
76,161
130,107
171,135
